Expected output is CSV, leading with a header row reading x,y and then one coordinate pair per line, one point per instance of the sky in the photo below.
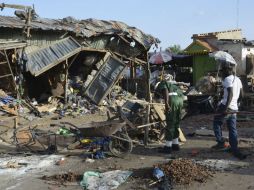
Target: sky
x,y
172,21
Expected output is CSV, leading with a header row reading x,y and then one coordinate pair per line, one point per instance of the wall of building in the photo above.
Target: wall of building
x,y
235,49
239,51
212,41
38,38
202,64
230,34
247,51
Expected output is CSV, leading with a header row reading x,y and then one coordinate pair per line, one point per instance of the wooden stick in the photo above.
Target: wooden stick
x,y
145,102
66,81
148,99
149,124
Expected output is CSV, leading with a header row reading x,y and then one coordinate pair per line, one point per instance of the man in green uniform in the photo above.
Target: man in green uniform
x,y
173,98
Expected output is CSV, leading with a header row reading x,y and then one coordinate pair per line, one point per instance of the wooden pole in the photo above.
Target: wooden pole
x,y
66,81
13,78
132,70
28,23
15,119
72,61
148,100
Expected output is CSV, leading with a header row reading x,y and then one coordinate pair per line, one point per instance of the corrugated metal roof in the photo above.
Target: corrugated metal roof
x,y
11,45
204,48
85,28
45,58
207,45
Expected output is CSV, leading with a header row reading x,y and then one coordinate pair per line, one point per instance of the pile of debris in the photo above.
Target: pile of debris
x,y
7,104
207,85
185,171
63,178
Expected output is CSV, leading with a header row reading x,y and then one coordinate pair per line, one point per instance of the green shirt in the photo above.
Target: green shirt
x,y
172,89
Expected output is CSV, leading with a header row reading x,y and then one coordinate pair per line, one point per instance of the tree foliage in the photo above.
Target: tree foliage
x,y
176,48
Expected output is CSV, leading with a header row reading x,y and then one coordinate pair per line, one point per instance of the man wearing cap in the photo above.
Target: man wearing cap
x,y
227,108
173,98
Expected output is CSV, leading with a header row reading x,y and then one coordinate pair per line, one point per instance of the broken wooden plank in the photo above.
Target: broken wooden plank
x,y
145,125
160,112
181,135
159,109
11,111
143,102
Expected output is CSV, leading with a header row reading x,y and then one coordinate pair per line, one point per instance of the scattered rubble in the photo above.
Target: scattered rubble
x,y
206,85
18,165
75,68
61,161
221,165
185,171
63,178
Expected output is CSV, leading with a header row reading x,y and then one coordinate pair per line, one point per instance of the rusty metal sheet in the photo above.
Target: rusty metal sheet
x,y
105,78
84,28
45,58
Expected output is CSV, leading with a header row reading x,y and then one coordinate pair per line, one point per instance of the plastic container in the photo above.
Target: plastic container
x,y
158,173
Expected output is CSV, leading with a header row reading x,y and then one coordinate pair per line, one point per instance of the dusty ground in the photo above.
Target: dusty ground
x,y
141,161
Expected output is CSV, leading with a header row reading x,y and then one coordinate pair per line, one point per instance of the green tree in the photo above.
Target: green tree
x,y
175,49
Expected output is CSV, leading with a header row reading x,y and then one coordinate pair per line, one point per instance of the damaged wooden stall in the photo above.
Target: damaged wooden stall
x,y
9,67
98,71
10,79
48,68
55,46
117,37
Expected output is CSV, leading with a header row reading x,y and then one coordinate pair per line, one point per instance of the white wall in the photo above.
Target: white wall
x,y
246,51
239,51
235,49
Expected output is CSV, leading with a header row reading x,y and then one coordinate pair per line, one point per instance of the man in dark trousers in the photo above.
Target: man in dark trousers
x,y
227,108
173,98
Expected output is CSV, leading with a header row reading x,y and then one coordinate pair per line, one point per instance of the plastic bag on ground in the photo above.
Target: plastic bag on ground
x,y
104,181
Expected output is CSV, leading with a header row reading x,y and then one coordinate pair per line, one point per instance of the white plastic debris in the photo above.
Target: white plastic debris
x,y
104,181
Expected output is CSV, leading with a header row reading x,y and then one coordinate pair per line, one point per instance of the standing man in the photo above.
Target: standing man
x,y
173,98
227,109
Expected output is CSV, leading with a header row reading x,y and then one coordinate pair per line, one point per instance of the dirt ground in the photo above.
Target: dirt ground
x,y
33,167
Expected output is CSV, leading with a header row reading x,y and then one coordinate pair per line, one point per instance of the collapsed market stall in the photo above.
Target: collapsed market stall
x,y
47,39
69,60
